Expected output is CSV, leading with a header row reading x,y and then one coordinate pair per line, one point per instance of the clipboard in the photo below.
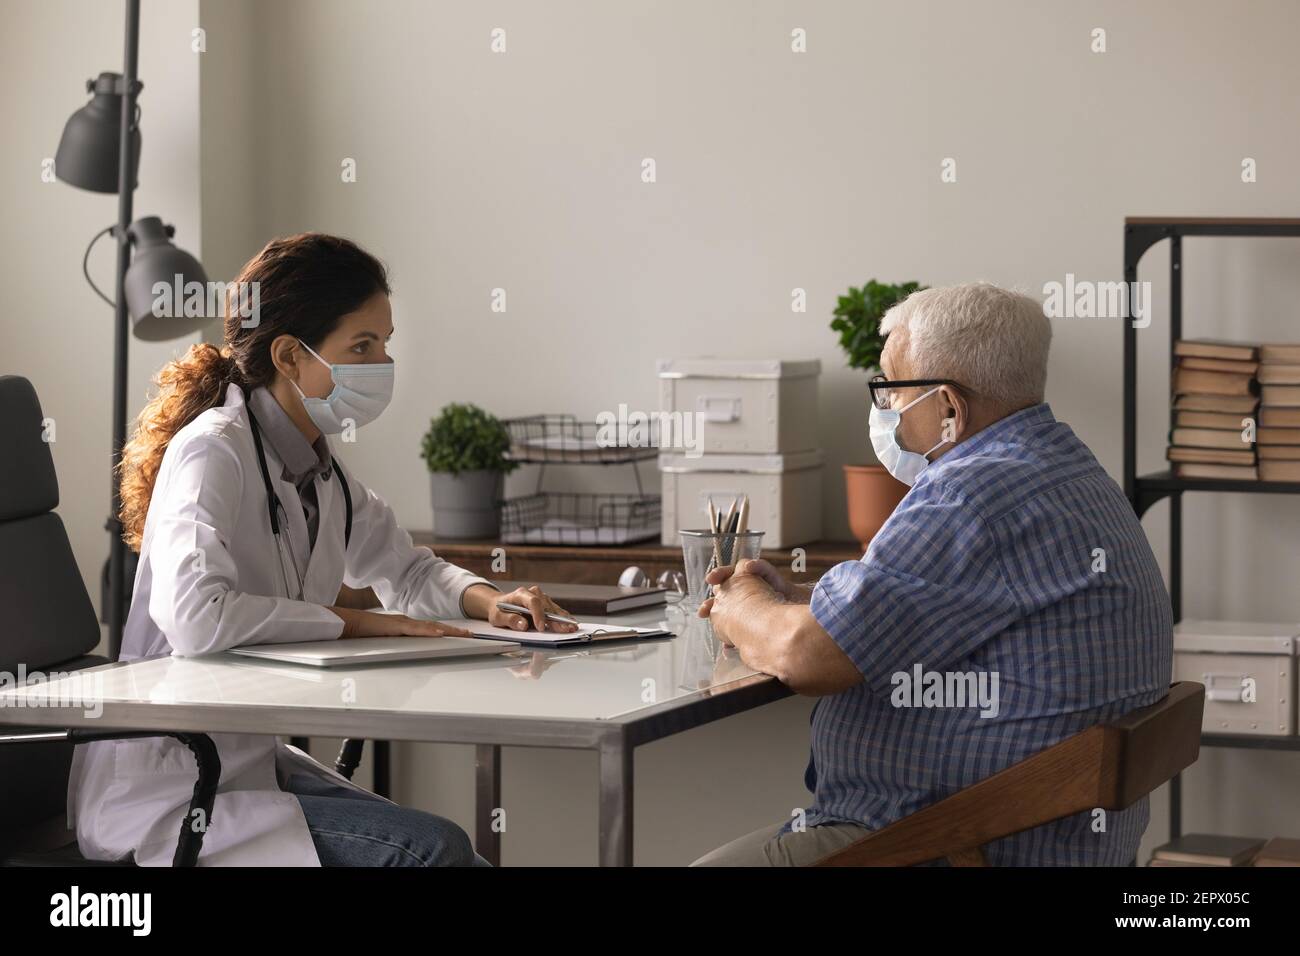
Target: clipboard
x,y
587,633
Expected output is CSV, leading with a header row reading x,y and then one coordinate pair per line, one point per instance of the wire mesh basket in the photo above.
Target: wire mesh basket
x,y
548,439
580,518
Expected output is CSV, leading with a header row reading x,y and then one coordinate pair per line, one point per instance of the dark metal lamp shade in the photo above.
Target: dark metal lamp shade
x,y
89,151
166,287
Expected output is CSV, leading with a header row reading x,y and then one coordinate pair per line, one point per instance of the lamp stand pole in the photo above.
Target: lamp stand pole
x,y
121,331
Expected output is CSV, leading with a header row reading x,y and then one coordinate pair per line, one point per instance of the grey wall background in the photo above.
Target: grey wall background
x,y
56,331
775,171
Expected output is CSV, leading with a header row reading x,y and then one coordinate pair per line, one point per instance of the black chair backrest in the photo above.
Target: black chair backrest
x,y
48,614
48,617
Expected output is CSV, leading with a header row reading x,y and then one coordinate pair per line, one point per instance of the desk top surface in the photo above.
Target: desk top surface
x,y
597,682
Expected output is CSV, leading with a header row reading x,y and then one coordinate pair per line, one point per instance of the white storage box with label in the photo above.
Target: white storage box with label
x,y
1249,672
748,406
785,493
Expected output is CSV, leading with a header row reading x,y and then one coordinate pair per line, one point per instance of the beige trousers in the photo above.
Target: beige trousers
x,y
770,847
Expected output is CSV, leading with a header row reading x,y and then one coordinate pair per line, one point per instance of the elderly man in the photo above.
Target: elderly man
x,y
1010,601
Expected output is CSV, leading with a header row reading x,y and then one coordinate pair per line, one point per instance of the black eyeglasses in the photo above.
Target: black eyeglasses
x,y
881,388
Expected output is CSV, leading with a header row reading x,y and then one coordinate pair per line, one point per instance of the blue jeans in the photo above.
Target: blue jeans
x,y
361,829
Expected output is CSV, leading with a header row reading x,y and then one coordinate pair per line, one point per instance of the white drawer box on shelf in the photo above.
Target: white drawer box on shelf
x,y
1249,672
785,493
749,406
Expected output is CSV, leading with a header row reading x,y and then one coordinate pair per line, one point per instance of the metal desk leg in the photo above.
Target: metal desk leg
x,y
487,800
383,777
615,801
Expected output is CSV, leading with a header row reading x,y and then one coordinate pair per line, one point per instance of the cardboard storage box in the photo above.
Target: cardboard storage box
x,y
1238,660
785,493
749,406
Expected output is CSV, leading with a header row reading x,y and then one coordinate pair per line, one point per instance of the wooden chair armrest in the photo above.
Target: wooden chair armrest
x,y
1054,783
1109,766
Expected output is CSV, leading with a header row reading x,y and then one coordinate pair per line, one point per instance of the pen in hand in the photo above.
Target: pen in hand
x,y
528,615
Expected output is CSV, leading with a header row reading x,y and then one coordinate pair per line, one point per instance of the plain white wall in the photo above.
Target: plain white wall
x,y
232,187
57,332
775,170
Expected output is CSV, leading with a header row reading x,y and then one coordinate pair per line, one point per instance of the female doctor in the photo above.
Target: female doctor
x,y
239,512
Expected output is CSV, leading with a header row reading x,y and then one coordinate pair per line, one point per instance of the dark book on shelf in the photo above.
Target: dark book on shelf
x,y
598,599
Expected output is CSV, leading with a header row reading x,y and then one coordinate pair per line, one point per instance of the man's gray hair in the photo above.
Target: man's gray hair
x,y
994,341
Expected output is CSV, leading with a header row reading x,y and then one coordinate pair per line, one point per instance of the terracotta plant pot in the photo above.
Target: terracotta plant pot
x,y
873,494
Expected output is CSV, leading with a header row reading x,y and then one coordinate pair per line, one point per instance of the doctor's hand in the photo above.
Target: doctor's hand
x,y
369,624
538,604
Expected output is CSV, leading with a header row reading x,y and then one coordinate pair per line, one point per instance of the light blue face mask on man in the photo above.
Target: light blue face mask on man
x,y
904,465
362,390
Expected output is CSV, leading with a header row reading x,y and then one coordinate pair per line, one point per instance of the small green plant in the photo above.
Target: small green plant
x,y
857,320
466,438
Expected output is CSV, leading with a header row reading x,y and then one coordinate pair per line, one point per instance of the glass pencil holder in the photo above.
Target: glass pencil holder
x,y
704,550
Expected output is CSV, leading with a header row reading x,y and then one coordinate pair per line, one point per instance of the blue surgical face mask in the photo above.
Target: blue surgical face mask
x,y
904,465
361,391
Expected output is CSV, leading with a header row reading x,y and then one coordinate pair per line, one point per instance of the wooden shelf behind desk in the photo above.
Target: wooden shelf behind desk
x,y
602,565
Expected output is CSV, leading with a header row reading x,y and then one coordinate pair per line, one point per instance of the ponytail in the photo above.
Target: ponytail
x,y
187,387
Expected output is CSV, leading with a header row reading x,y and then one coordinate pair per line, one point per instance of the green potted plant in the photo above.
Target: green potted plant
x,y
465,451
872,492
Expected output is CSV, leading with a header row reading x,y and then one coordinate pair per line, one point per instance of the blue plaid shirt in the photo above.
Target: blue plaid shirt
x,y
991,565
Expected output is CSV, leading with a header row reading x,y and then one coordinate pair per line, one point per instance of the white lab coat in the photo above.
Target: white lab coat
x,y
210,579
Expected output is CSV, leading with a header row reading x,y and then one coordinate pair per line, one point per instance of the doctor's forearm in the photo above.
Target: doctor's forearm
x,y
477,600
350,617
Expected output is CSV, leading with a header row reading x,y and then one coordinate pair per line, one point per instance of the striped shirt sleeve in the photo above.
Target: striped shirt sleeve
x,y
929,591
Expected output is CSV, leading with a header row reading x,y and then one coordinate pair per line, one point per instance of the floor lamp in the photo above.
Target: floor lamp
x,y
100,151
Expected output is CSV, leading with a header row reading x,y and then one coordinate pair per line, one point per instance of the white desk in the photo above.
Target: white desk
x,y
604,697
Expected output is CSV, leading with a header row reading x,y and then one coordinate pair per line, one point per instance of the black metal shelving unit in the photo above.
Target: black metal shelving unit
x,y
1140,234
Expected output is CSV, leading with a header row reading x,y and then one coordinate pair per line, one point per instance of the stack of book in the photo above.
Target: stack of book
x,y
1215,390
1279,413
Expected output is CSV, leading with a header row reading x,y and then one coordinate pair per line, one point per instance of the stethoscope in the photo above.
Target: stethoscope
x,y
274,507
